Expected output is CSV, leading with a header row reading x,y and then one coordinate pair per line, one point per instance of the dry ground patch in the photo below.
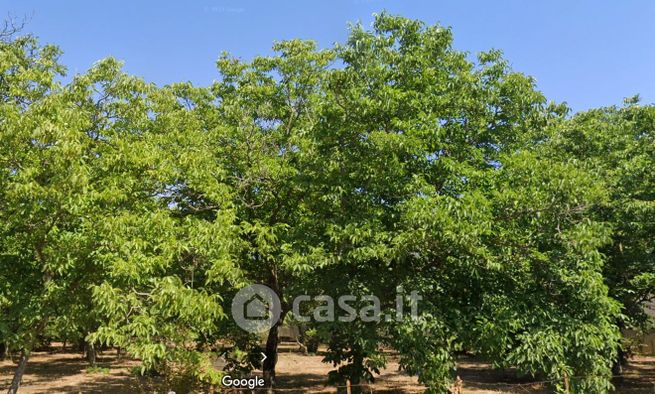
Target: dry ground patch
x,y
66,372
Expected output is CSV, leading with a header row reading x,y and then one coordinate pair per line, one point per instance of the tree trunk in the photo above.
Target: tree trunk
x,y
3,350
621,355
25,353
24,357
90,351
356,377
271,355
20,371
619,362
273,338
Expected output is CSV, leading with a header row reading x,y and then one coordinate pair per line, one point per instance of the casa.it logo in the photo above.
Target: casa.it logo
x,y
256,308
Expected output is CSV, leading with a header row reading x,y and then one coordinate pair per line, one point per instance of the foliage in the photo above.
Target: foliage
x,y
131,214
48,180
617,145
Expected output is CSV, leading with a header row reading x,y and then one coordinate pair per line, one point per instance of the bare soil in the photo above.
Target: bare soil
x,y
60,371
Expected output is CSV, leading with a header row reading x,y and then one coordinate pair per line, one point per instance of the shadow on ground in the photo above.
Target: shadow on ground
x,y
66,372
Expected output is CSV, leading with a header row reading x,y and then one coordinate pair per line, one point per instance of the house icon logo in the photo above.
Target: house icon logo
x,y
256,308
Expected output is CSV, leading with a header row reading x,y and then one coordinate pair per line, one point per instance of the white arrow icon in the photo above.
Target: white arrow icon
x,y
263,356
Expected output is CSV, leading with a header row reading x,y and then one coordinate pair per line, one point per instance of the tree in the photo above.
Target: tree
x,y
47,176
420,151
161,296
255,128
616,144
389,164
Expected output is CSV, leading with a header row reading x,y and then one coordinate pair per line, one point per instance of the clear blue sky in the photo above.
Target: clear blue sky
x,y
588,53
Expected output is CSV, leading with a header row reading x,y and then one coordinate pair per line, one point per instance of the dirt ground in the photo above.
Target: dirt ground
x,y
66,372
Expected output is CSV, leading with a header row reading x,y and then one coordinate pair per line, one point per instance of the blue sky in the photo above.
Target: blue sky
x,y
587,53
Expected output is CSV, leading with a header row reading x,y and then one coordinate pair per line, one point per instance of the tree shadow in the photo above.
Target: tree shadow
x,y
301,381
46,371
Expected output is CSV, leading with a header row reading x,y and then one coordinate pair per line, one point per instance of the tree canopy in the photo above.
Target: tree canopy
x,y
130,214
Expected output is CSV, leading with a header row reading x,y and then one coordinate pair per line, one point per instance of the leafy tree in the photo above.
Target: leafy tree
x,y
616,144
48,176
423,152
89,241
131,214
158,299
256,128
